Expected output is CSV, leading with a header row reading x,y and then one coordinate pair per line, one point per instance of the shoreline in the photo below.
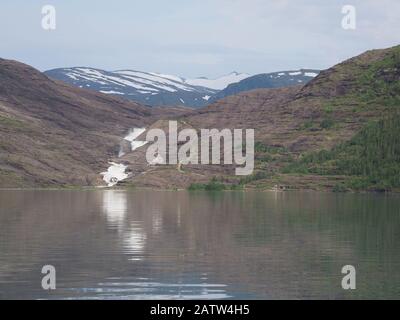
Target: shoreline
x,y
244,190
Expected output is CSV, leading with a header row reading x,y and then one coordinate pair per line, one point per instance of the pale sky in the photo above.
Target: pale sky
x,y
195,38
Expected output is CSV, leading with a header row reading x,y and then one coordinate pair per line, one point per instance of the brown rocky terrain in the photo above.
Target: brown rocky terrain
x,y
291,117
291,122
52,134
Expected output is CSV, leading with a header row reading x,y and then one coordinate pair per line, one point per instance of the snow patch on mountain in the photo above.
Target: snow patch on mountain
x,y
277,79
111,92
218,83
116,172
311,74
150,88
159,89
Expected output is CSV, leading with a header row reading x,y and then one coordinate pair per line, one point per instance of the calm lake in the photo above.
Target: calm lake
x,y
142,244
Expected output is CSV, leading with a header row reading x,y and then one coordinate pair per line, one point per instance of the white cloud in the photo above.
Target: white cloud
x,y
193,38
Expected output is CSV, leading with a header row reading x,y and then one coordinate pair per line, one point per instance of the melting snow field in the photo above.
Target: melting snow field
x,y
219,83
311,74
111,92
114,173
117,172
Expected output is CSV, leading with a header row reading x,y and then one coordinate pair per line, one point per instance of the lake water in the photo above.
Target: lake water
x,y
142,244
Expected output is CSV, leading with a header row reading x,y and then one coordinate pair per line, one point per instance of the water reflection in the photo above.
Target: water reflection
x,y
143,288
115,207
157,220
134,240
133,236
112,244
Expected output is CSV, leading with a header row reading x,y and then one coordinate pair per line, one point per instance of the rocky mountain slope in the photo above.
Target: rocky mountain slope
x,y
362,94
55,134
295,122
146,87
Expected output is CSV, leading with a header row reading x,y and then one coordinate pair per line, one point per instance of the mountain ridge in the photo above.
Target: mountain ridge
x,y
149,88
53,134
344,107
268,80
157,89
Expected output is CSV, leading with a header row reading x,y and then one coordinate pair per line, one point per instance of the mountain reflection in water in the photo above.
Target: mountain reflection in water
x,y
143,244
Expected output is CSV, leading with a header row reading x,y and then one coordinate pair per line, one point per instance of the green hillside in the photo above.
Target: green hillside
x,y
370,159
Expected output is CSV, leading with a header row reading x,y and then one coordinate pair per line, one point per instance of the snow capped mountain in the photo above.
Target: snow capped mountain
x,y
219,83
153,82
146,87
267,80
156,89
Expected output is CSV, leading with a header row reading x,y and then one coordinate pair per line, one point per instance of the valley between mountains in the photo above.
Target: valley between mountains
x,y
338,130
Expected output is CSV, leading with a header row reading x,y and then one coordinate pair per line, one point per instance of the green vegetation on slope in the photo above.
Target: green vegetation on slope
x,y
380,81
214,185
368,95
371,158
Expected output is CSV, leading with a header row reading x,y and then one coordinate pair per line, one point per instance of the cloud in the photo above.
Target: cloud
x,y
192,38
